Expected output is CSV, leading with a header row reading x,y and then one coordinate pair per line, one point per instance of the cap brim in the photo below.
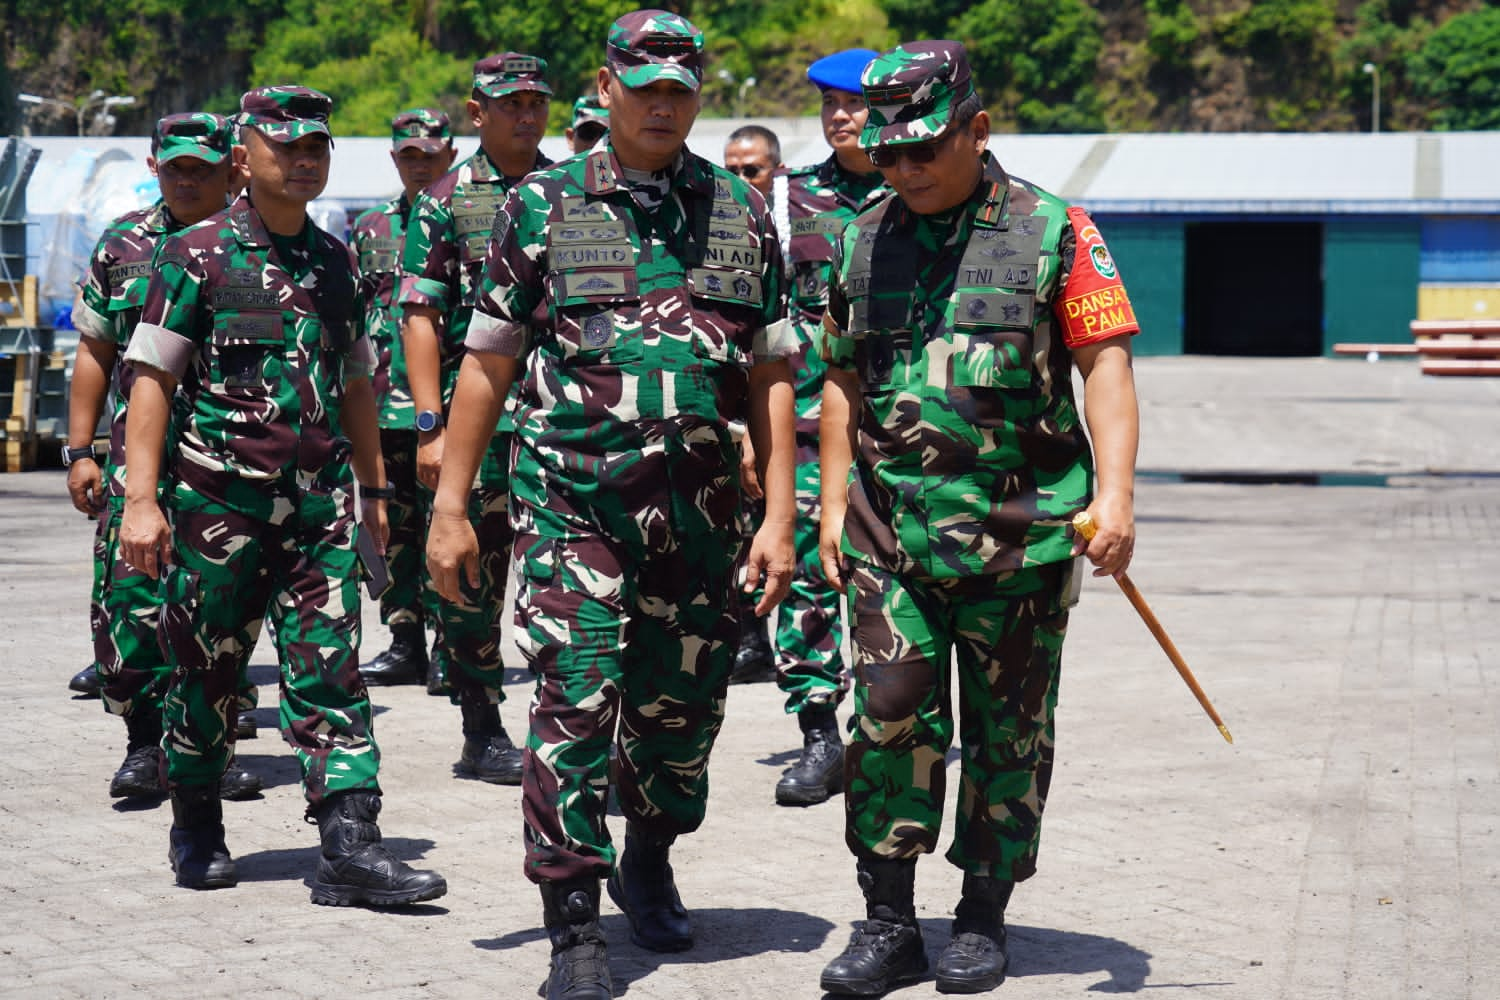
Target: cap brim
x,y
426,145
644,76
197,152
501,89
906,133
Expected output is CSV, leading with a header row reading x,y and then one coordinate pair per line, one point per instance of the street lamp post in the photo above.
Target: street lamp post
x,y
1374,72
98,99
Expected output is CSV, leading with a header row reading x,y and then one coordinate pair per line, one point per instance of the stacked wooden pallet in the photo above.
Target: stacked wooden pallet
x,y
1458,347
20,368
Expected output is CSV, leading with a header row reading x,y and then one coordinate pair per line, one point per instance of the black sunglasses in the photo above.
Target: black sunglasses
x,y
885,157
749,171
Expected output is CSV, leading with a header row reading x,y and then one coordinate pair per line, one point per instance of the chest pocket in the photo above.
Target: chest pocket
x,y
595,293
248,351
379,256
727,287
473,220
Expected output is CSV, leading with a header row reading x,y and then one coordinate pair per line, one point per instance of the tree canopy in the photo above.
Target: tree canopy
x,y
1070,65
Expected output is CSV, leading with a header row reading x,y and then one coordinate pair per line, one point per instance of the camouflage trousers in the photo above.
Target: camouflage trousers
x,y
631,649
809,634
467,646
232,571
123,614
1004,634
410,599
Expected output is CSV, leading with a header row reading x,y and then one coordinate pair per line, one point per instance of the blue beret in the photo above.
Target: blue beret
x,y
841,70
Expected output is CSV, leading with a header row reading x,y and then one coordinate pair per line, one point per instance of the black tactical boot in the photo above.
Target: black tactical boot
x,y
755,661
488,753
237,784
245,727
355,867
197,852
86,681
642,886
975,960
143,774
819,772
405,662
580,967
886,949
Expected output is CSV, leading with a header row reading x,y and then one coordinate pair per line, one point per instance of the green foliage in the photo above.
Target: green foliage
x,y
1172,32
1458,69
1037,61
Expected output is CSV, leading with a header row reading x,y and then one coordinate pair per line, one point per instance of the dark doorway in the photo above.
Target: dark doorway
x,y
1254,289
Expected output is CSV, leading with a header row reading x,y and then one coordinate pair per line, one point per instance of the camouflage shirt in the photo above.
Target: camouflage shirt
x,y
821,201
261,332
638,326
971,456
377,240
114,289
443,256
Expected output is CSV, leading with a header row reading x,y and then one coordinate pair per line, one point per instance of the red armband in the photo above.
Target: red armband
x,y
1093,304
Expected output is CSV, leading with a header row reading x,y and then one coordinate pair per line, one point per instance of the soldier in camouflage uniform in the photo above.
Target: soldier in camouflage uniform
x,y
442,260
634,295
255,314
422,142
954,460
590,122
190,159
821,199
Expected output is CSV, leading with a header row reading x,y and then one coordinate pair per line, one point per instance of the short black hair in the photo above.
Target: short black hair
x,y
753,132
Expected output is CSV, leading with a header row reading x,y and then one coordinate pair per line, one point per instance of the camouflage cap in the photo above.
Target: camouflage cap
x,y
649,45
427,129
496,76
588,109
197,133
912,90
286,113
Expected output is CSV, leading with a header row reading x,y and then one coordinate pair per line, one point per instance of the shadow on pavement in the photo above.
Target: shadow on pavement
x,y
1041,951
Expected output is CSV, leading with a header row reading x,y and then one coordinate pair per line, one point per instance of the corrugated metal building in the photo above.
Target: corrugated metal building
x,y
1258,244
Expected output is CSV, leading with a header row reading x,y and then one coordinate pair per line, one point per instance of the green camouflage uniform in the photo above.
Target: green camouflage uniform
x,y
443,260
970,463
124,602
262,333
821,199
638,306
377,239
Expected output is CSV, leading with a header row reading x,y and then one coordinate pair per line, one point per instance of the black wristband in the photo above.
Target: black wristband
x,y
71,455
377,492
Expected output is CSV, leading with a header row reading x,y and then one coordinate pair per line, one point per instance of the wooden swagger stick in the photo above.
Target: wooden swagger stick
x,y
1084,525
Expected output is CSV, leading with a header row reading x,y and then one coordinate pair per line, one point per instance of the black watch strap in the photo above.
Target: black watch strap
x,y
377,492
71,455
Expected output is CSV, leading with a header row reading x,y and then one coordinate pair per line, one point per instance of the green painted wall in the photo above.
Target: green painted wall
x,y
1149,250
1371,270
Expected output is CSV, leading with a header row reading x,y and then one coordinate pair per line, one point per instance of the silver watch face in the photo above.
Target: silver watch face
x,y
428,420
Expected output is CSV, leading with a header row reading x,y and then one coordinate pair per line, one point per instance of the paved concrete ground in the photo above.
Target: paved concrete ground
x,y
1346,845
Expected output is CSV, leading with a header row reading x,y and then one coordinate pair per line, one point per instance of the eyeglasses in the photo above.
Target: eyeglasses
x,y
885,157
749,171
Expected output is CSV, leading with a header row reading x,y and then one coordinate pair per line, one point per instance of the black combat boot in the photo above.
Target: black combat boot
x,y
355,867
143,774
580,967
819,772
405,662
886,949
642,886
197,851
237,784
86,681
245,727
975,960
755,661
488,753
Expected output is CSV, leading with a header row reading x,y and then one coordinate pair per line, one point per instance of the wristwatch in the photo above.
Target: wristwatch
x,y
71,455
429,421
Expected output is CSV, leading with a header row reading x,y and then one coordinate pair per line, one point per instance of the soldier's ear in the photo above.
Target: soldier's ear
x,y
151,166
979,130
602,84
240,155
